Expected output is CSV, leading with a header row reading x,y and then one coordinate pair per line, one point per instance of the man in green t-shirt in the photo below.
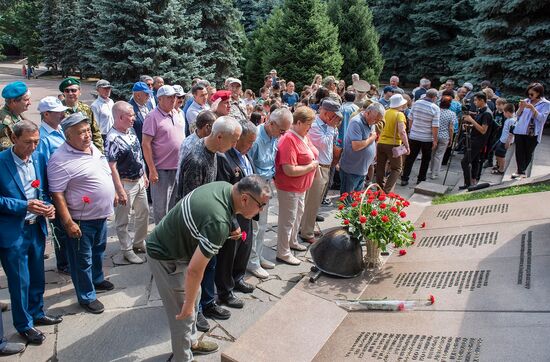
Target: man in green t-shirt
x,y
183,242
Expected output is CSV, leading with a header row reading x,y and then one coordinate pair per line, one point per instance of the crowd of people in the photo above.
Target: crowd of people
x,y
209,161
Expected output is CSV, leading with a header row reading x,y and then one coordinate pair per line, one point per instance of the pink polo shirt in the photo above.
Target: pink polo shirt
x,y
168,133
78,174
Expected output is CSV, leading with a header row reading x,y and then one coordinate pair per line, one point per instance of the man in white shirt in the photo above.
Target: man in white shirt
x,y
322,134
102,107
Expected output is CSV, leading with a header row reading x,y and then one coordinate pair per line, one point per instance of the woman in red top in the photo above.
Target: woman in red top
x,y
295,165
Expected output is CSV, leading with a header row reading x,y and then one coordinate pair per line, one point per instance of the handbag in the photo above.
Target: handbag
x,y
400,150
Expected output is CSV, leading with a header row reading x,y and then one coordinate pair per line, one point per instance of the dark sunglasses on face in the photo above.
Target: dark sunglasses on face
x,y
70,90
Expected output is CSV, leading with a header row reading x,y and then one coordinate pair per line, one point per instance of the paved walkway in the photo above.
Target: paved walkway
x,y
134,326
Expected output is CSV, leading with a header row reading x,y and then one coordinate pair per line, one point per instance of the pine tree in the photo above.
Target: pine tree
x,y
302,43
86,12
394,26
119,50
358,39
67,28
223,35
19,27
254,12
512,47
173,47
49,18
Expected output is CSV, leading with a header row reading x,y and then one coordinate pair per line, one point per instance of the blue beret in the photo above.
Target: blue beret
x,y
14,90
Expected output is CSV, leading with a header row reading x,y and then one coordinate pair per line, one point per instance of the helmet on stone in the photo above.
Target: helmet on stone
x,y
336,253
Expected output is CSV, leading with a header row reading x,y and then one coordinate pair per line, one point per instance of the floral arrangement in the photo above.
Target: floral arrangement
x,y
378,218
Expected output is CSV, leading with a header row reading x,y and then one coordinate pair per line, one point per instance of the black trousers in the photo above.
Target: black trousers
x,y
525,148
474,159
416,146
232,260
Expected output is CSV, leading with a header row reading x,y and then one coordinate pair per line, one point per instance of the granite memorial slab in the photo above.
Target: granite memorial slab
x,y
493,284
480,212
478,242
439,336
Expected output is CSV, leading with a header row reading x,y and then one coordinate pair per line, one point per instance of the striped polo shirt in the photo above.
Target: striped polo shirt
x,y
425,115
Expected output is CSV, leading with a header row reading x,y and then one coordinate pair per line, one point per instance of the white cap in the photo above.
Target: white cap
x,y
51,104
179,90
166,90
397,100
235,80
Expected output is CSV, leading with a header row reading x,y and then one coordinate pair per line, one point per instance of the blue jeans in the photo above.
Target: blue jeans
x,y
350,182
86,258
208,286
59,245
23,264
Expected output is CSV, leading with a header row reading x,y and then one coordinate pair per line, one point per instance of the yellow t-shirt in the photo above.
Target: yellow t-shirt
x,y
392,116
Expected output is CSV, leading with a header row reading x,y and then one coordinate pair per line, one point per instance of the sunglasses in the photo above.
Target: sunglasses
x,y
260,204
71,90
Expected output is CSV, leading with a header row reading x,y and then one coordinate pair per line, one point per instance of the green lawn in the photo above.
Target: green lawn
x,y
514,190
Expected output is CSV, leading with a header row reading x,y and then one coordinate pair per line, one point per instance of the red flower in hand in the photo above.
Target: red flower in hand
x,y
86,199
431,298
354,204
346,222
373,213
402,252
35,184
423,225
341,207
382,206
385,218
403,214
363,219
243,235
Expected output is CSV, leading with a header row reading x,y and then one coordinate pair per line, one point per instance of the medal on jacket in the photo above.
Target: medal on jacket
x,y
237,172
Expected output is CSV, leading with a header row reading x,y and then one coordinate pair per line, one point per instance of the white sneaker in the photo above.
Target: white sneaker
x,y
266,264
131,257
259,273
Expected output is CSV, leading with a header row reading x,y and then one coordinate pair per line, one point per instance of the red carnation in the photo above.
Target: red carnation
x,y
402,214
382,206
354,204
381,197
374,213
402,252
346,222
243,235
345,194
406,203
369,201
423,225
431,298
35,184
86,199
393,209
401,306
414,236
342,198
385,218
397,203
362,219
340,207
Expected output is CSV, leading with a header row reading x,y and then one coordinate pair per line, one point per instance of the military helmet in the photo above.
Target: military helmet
x,y
336,253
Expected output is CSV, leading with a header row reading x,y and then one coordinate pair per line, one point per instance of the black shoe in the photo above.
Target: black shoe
x,y
214,311
487,164
244,287
463,187
47,321
404,183
319,218
33,336
12,348
326,202
232,301
202,323
104,286
3,306
95,307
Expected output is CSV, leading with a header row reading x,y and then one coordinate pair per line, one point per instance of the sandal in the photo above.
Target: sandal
x,y
497,172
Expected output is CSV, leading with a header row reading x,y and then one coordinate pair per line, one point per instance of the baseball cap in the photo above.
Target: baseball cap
x,y
51,104
102,83
331,105
73,119
141,87
166,90
236,80
468,86
179,90
388,88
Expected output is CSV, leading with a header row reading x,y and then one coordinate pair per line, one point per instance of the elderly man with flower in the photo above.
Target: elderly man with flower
x,y
83,192
23,212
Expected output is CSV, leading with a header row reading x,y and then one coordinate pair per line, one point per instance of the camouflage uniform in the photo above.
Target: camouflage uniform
x,y
7,120
87,111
